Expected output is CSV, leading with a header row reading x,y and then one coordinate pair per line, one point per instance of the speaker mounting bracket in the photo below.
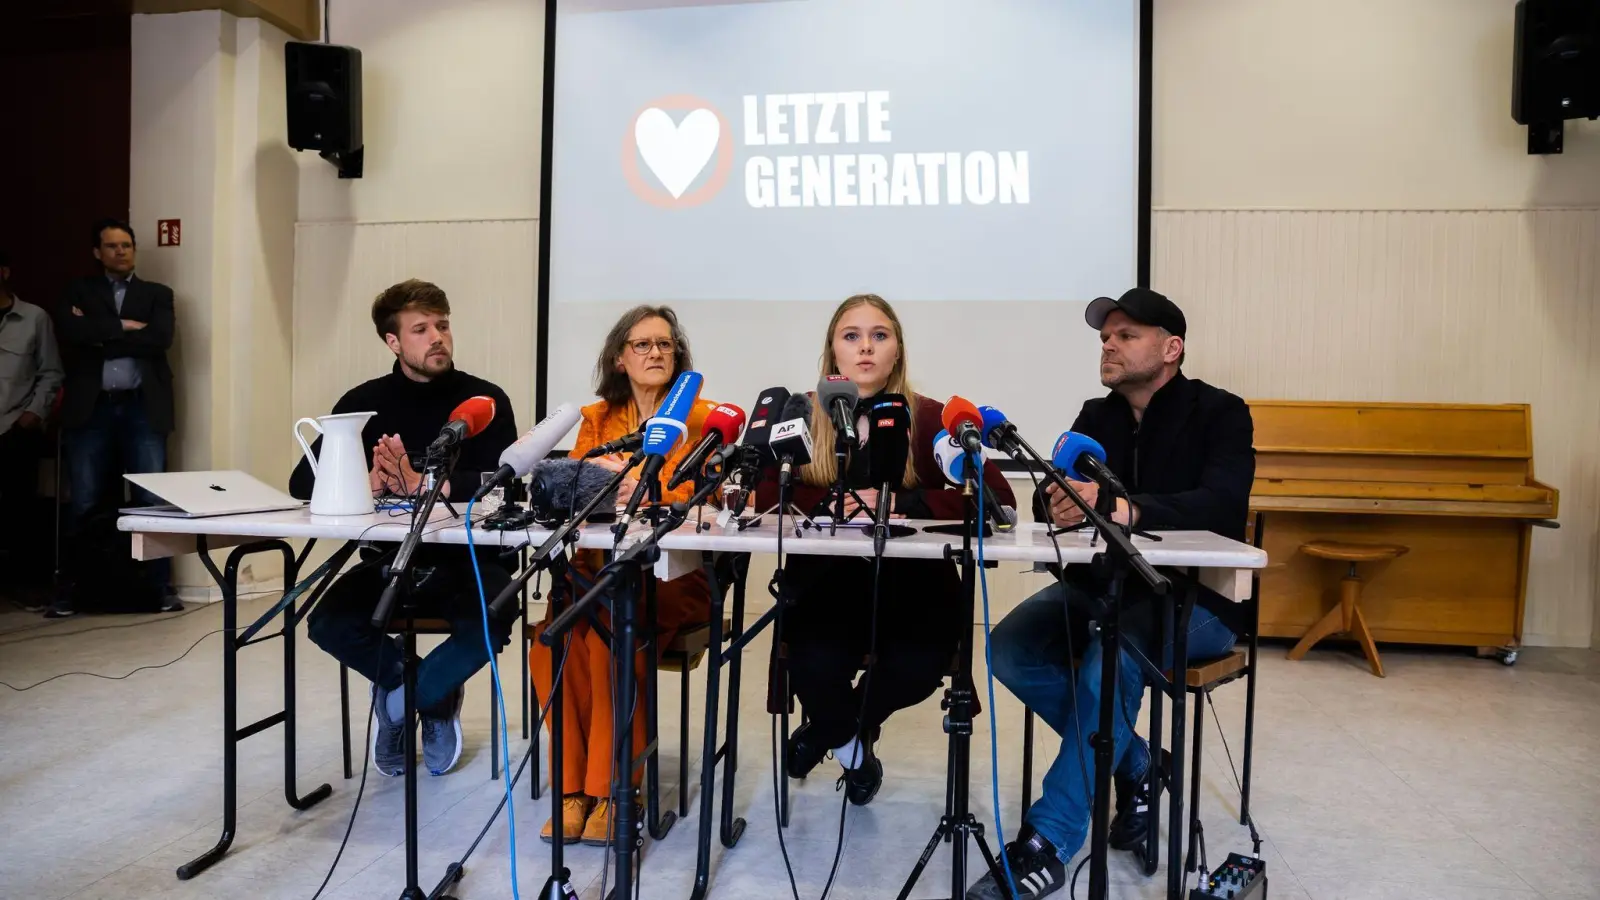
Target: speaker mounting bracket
x,y
349,162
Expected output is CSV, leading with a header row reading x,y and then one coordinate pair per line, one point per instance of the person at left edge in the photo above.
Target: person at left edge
x,y
412,403
30,376
115,329
643,355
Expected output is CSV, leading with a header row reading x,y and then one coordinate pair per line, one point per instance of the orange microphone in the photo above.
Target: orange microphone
x,y
962,419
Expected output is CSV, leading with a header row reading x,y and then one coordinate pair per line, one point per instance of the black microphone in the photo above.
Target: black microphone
x,y
628,443
767,413
888,447
838,395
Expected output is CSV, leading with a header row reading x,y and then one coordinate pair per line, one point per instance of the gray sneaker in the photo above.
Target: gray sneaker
x,y
388,737
441,735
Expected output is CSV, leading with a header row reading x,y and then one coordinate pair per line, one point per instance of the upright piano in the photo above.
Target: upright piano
x,y
1452,482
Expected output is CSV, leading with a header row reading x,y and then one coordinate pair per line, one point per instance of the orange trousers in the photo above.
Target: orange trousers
x,y
586,720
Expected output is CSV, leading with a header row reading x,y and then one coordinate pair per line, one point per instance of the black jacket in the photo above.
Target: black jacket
x,y
415,411
1188,465
87,341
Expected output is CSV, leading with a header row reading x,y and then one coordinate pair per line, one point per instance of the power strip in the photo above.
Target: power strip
x,y
1239,878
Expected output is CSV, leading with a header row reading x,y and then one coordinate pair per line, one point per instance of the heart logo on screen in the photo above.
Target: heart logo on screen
x,y
677,153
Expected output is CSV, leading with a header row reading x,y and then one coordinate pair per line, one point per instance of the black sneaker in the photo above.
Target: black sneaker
x,y
1034,868
861,783
170,602
1130,825
803,752
61,608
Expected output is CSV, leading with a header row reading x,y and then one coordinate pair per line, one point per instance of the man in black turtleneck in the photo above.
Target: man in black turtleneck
x,y
411,404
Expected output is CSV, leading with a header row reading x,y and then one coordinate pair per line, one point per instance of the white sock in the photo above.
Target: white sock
x,y
395,704
849,755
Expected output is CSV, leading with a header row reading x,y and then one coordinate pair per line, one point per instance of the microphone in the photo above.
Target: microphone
x,y
722,428
964,423
519,459
628,443
1081,458
662,432
468,419
838,395
888,439
560,486
790,442
998,432
953,465
767,413
888,447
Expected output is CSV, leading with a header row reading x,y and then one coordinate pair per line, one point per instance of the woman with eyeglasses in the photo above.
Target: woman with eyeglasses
x,y
831,627
642,356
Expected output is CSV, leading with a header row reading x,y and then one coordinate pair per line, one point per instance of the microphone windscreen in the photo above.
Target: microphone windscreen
x,y
542,438
947,452
560,486
726,420
958,410
888,439
1070,447
992,419
798,406
475,412
837,387
667,427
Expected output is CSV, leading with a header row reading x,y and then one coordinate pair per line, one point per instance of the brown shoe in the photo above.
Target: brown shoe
x,y
574,813
597,832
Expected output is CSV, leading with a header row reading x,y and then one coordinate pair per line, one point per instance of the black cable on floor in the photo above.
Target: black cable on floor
x,y
116,677
361,789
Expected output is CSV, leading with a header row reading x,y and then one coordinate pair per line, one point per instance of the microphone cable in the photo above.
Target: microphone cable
x,y
777,642
861,749
988,661
500,695
1072,670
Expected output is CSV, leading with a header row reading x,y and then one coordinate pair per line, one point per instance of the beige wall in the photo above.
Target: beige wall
x,y
208,148
1354,104
1413,254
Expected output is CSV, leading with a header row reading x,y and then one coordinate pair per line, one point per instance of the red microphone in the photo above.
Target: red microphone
x,y
469,419
722,427
962,419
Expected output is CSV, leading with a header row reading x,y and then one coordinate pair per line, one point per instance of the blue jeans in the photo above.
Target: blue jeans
x,y
341,623
118,433
1032,659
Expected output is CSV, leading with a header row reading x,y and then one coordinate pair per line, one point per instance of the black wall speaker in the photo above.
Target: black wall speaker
x,y
1555,72
324,102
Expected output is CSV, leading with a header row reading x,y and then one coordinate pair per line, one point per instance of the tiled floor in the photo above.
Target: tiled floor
x,y
1452,778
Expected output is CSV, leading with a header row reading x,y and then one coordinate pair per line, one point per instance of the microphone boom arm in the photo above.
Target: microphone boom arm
x,y
1116,539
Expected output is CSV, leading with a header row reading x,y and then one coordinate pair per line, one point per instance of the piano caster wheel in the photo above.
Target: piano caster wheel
x,y
1508,657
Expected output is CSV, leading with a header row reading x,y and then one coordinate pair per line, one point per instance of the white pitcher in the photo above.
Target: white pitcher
x,y
341,471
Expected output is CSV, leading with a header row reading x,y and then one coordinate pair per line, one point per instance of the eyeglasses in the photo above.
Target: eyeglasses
x,y
667,346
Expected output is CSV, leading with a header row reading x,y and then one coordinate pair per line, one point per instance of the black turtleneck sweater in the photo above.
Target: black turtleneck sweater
x,y
415,411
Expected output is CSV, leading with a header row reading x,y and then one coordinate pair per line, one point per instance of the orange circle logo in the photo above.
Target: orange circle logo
x,y
677,153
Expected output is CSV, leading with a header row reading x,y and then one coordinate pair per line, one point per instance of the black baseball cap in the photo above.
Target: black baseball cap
x,y
1141,305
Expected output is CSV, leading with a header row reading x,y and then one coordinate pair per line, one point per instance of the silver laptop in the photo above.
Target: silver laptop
x,y
194,495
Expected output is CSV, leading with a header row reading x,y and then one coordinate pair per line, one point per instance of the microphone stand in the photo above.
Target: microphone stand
x,y
1116,561
400,572
628,568
960,702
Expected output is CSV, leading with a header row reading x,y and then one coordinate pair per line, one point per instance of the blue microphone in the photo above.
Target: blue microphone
x,y
952,462
1081,458
998,432
662,432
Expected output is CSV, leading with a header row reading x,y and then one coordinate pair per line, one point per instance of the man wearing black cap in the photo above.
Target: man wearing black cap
x,y
1184,451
